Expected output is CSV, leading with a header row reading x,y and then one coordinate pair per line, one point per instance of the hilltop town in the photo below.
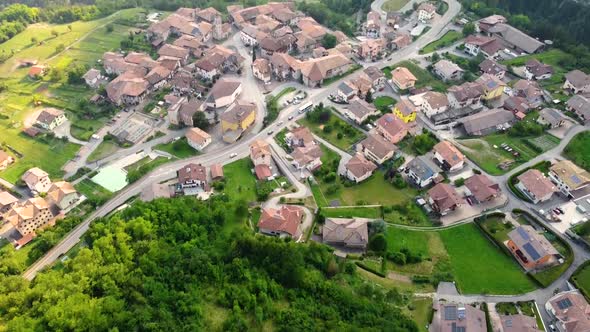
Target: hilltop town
x,y
433,151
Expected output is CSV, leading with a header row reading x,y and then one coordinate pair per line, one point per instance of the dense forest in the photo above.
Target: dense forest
x,y
187,265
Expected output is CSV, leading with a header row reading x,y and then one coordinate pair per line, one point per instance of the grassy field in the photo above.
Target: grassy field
x,y
394,5
425,78
359,212
180,148
421,311
240,183
384,103
582,279
104,149
50,154
350,135
446,40
427,244
479,267
482,151
578,150
554,57
93,190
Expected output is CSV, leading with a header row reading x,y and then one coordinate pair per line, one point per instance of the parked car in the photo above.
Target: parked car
x,y
233,155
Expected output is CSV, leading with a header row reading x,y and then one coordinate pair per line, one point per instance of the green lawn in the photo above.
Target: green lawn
x,y
582,279
583,230
394,5
384,103
180,148
481,268
427,244
49,154
240,183
578,150
93,190
350,135
554,57
482,151
104,149
425,78
448,39
360,212
420,310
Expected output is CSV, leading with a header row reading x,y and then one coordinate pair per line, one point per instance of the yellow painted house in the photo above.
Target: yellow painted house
x,y
236,119
405,110
493,86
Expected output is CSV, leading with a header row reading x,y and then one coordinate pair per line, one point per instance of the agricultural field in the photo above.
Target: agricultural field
x,y
485,155
578,150
84,44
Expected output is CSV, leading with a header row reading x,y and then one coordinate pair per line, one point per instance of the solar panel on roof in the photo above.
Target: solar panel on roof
x,y
455,328
523,233
509,323
564,304
576,179
531,251
450,313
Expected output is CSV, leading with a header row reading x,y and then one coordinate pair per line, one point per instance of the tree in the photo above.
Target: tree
x,y
55,74
329,41
200,120
378,243
369,97
76,73
435,57
70,27
34,40
54,33
110,28
60,48
520,21
253,53
469,29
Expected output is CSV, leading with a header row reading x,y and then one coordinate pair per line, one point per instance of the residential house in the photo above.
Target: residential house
x,y
570,310
208,67
29,215
193,44
456,317
577,81
532,250
480,189
422,171
49,118
341,37
376,77
315,71
358,168
400,41
531,91
489,47
391,127
493,86
405,110
372,49
238,117
192,179
299,137
551,118
376,148
517,105
343,48
284,66
443,198
281,222
432,103
568,177
519,323
37,71
491,67
448,157
373,25
261,70
307,157
6,202
447,70
359,110
263,172
187,110
93,78
129,88
515,39
37,180
249,35
535,186
5,160
346,91
426,11
260,153
173,51
580,105
154,191
534,69
216,171
393,18
347,232
197,138
403,78
484,123
158,77
63,195
223,93
270,44
465,95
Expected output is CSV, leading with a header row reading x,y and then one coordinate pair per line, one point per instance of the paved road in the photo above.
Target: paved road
x,y
167,171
